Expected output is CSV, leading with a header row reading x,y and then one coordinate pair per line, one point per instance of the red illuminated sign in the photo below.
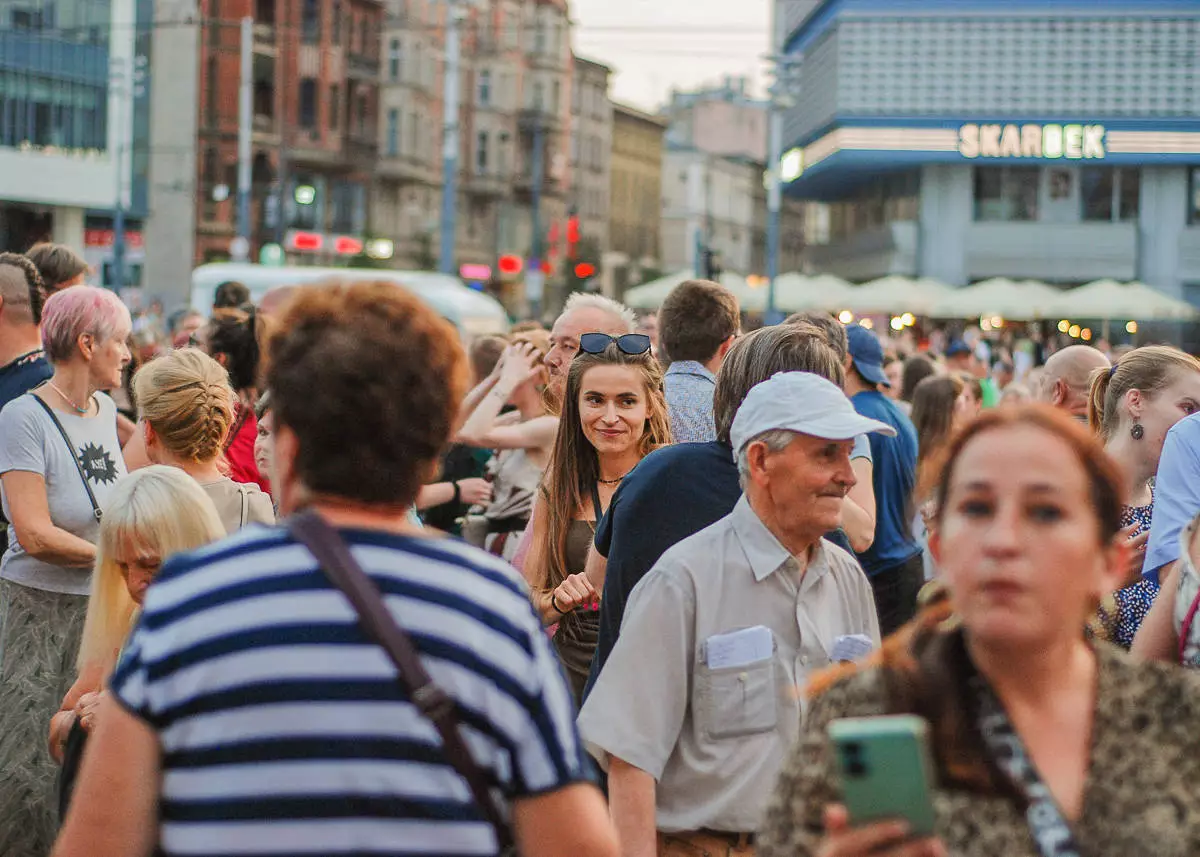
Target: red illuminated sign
x,y
510,264
584,270
309,241
344,245
475,272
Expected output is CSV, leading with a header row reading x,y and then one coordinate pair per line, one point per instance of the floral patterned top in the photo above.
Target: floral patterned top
x,y
1140,797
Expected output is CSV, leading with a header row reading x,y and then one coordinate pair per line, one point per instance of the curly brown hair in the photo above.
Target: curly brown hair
x,y
369,379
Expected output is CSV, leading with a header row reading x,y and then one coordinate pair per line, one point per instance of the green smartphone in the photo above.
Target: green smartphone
x,y
886,770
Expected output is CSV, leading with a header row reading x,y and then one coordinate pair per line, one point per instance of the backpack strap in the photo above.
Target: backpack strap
x,y
96,510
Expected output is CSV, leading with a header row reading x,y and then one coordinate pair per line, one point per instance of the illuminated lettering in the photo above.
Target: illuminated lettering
x,y
1093,141
968,141
1052,141
1073,141
989,141
1010,142
1031,141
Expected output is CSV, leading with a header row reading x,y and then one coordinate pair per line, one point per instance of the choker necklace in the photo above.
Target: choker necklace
x,y
69,400
620,478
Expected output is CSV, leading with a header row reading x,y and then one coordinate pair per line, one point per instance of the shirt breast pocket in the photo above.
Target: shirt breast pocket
x,y
732,702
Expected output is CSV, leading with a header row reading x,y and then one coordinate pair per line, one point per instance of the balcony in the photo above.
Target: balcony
x,y
539,118
523,184
264,131
264,39
362,149
487,185
405,169
545,60
362,67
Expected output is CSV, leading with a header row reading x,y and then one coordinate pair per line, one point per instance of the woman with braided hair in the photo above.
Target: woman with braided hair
x,y
187,407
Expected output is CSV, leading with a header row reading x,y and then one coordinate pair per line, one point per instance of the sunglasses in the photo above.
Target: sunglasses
x,y
630,343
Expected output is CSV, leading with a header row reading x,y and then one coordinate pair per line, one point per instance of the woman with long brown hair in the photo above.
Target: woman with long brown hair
x,y
937,410
614,414
1044,744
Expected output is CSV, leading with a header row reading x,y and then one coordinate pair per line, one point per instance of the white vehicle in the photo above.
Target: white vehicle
x,y
473,313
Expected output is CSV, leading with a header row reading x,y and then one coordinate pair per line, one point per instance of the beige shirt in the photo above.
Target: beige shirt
x,y
239,505
714,739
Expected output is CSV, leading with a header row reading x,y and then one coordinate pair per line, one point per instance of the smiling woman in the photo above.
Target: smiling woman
x,y
614,414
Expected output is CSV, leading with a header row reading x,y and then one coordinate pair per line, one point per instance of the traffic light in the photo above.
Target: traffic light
x,y
712,264
585,270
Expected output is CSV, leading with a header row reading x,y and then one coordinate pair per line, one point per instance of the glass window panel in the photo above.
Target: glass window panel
x,y
1096,193
1131,193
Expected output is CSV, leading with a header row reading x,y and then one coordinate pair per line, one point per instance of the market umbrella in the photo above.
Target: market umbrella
x,y
1110,300
795,292
651,295
1025,299
896,294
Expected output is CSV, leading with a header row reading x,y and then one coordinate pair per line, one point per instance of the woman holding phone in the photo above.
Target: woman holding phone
x,y
1043,742
614,415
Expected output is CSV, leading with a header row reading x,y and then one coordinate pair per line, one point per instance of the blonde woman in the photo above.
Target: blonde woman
x,y
155,512
187,407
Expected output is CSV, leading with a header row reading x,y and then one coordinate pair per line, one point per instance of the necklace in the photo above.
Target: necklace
x,y
620,478
68,399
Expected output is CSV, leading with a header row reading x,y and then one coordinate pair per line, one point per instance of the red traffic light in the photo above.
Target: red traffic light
x,y
510,264
584,270
573,230
346,246
307,240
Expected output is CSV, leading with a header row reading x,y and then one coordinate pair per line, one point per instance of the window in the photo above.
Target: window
x,y
413,148
362,116
395,60
365,38
308,103
337,22
539,38
393,133
334,107
1006,193
211,102
481,153
310,21
485,88
539,96
1109,194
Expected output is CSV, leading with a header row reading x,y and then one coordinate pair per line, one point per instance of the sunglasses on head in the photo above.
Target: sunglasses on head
x,y
630,343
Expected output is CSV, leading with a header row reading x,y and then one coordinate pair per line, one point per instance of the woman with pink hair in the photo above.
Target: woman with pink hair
x,y
60,459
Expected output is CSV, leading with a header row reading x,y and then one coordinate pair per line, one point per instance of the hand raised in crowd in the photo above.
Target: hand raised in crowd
x,y
1137,554
881,839
85,709
576,591
475,491
517,364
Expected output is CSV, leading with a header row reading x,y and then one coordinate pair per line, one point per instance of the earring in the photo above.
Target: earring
x,y
1137,432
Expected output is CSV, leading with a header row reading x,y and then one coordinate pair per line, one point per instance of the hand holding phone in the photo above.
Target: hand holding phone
x,y
881,839
886,776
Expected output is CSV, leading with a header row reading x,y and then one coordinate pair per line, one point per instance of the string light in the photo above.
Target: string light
x,y
846,317
1131,327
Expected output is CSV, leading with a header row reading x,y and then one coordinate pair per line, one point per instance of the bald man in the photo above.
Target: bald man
x,y
1067,378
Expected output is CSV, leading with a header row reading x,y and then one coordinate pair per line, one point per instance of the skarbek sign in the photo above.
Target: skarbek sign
x,y
1075,142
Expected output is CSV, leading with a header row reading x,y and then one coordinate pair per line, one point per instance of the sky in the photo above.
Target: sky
x,y
653,45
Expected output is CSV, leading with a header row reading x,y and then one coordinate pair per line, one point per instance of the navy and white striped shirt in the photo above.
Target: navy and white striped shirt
x,y
283,729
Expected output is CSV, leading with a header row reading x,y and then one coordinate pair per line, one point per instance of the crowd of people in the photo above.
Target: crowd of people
x,y
316,577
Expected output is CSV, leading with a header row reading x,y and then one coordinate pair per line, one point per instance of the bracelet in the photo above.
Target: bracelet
x,y
554,604
457,493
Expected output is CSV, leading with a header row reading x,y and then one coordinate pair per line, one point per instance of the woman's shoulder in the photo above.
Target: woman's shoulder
x,y
1163,693
849,690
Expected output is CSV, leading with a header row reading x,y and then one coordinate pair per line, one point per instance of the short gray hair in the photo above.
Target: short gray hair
x,y
776,440
585,300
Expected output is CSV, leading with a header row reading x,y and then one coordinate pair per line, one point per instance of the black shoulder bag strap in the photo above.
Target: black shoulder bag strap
x,y
599,509
1047,826
71,451
346,574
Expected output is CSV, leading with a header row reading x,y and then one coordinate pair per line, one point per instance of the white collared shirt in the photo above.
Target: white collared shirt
x,y
714,738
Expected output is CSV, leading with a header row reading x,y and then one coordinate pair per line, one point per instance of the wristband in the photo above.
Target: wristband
x,y
554,604
457,493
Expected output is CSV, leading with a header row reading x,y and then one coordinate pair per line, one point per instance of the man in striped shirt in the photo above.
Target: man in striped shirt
x,y
250,714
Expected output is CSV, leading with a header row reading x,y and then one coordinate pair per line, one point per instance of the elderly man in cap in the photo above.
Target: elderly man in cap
x,y
723,633
893,561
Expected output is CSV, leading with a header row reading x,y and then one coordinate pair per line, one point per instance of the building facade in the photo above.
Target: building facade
x,y
590,160
74,125
965,139
708,201
721,120
635,200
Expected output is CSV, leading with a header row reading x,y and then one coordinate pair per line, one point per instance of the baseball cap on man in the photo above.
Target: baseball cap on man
x,y
958,347
801,402
867,354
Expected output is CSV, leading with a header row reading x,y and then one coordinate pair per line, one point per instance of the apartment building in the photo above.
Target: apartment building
x,y
591,157
635,199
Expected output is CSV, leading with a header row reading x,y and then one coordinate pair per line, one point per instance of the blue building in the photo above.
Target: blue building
x,y
73,124
965,139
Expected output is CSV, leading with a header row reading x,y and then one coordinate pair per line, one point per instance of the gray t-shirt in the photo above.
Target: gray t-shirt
x,y
30,442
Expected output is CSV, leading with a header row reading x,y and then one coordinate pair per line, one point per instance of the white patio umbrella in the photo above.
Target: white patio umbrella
x,y
795,292
650,296
1025,299
896,294
1110,300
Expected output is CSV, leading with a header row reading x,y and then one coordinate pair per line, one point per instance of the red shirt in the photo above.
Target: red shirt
x,y
240,451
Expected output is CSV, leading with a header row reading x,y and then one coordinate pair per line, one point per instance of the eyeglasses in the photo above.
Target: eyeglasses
x,y
631,343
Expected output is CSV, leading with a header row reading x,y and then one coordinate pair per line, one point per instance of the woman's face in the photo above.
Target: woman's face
x,y
139,567
109,359
966,406
1018,542
613,407
893,371
264,442
1161,410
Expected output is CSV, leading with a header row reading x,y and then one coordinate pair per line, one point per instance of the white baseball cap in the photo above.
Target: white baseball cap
x,y
804,403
